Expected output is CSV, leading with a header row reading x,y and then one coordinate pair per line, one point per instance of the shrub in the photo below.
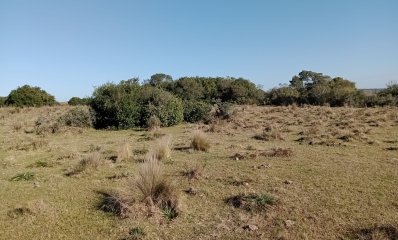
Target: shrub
x,y
77,117
116,105
200,141
74,101
3,101
195,111
127,105
30,97
162,104
46,124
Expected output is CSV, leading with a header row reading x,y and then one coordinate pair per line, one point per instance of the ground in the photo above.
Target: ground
x,y
333,173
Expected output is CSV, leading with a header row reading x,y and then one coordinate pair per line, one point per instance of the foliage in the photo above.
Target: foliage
x,y
74,101
30,97
117,105
196,111
316,89
162,104
77,117
159,79
3,101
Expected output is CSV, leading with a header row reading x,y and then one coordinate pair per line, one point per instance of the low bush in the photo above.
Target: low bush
x,y
77,117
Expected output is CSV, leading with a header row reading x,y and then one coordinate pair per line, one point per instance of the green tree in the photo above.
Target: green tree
x,y
159,79
27,96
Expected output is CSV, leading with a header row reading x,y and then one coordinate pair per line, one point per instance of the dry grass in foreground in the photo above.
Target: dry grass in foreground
x,y
271,173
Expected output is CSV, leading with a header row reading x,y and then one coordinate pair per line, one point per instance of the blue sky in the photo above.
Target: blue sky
x,y
67,47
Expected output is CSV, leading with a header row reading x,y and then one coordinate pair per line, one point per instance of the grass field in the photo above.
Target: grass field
x,y
270,173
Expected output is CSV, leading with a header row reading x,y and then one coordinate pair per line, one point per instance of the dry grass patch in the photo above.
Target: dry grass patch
x,y
270,133
162,148
277,152
124,153
90,162
193,171
200,141
156,189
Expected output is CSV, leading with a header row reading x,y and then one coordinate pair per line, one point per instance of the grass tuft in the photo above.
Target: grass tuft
x,y
200,141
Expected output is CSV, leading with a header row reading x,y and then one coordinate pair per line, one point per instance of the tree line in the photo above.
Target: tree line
x,y
130,103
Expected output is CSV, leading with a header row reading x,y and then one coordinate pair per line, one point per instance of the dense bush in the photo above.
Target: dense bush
x,y
117,105
157,102
74,101
77,117
30,97
2,101
285,95
128,104
196,111
212,90
316,89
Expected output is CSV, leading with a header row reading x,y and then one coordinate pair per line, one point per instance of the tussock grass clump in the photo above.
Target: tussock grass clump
x,y
91,161
162,148
116,203
23,176
124,153
251,202
153,123
156,189
200,141
46,124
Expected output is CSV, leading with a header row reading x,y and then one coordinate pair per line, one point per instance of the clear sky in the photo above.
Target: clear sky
x,y
67,47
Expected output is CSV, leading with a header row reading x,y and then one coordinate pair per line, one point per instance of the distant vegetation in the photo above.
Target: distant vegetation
x,y
74,101
193,99
27,96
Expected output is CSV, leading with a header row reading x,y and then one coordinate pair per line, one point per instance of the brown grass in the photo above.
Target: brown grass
x,y
90,162
200,141
162,148
155,187
124,153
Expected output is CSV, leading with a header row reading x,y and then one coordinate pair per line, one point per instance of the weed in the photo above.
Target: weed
x,y
23,176
251,202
